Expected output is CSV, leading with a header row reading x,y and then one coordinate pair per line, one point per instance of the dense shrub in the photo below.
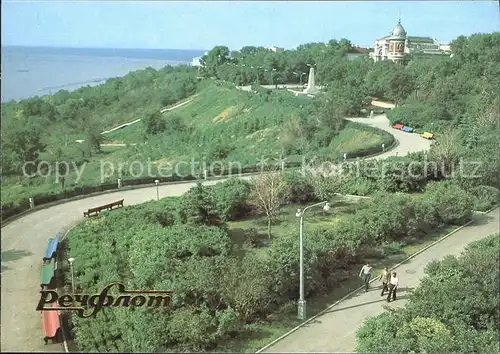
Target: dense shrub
x,y
230,198
451,204
183,244
484,197
417,114
198,207
450,312
300,188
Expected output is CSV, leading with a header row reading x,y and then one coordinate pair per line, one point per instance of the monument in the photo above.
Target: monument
x,y
311,88
311,85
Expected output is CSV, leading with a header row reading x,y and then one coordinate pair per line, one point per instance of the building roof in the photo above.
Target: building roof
x,y
360,50
399,31
420,39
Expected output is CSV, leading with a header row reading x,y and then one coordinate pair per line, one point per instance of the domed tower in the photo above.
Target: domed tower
x,y
397,40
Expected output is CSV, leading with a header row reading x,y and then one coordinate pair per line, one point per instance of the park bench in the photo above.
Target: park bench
x,y
51,324
427,135
398,126
51,250
97,210
47,274
407,129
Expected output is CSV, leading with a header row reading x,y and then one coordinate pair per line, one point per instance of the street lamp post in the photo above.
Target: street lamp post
x,y
157,189
71,260
301,308
241,74
299,75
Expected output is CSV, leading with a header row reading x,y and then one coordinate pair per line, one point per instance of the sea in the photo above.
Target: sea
x,y
37,71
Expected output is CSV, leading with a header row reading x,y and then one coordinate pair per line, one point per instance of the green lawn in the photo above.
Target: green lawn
x,y
216,112
287,223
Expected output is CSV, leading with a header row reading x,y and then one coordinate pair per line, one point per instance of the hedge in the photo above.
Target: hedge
x,y
11,209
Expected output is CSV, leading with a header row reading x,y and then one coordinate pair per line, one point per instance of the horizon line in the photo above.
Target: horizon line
x,y
74,47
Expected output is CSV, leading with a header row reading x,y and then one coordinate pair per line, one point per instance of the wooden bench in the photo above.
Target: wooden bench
x,y
47,274
97,210
51,325
51,250
428,135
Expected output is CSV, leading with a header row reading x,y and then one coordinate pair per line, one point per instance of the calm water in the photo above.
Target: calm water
x,y
37,71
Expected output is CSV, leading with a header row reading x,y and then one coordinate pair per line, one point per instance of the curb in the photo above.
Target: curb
x,y
12,218
8,220
65,344
361,287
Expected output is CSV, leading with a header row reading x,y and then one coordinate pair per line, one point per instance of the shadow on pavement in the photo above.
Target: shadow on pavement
x,y
402,294
14,255
481,219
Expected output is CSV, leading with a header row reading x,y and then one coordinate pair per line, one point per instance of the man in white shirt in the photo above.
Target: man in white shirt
x,y
366,274
393,285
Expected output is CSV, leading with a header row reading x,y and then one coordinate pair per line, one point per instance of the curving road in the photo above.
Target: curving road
x,y
25,239
407,142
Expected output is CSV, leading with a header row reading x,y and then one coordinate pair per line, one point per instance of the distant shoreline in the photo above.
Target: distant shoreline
x,y
39,71
181,55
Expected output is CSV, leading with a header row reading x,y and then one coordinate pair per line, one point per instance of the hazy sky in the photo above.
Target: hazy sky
x,y
202,25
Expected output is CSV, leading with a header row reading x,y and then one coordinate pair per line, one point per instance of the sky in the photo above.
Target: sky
x,y
205,24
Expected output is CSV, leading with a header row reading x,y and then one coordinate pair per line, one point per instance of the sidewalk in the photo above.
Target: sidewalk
x,y
335,330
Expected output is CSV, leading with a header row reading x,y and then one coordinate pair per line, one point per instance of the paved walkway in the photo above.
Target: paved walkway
x,y
24,241
335,330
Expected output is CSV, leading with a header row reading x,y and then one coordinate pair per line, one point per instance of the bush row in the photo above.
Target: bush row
x,y
12,209
183,244
465,319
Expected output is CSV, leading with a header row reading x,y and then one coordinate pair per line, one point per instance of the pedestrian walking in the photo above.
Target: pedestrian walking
x,y
393,286
366,274
385,276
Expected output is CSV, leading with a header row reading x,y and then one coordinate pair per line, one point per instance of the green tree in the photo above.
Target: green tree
x,y
154,122
22,142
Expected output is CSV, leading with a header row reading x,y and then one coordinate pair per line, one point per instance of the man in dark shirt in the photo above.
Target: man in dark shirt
x,y
385,276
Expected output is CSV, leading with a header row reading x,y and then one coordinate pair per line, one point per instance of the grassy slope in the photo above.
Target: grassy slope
x,y
218,116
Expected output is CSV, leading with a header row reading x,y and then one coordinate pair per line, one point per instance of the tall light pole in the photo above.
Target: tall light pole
x,y
300,75
241,73
301,308
71,260
257,69
157,190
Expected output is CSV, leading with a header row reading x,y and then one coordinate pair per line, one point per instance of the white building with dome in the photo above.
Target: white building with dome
x,y
399,47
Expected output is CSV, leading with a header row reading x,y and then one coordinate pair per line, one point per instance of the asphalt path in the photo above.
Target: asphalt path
x,y
24,241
